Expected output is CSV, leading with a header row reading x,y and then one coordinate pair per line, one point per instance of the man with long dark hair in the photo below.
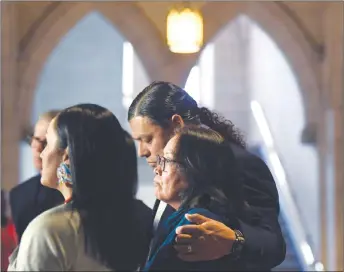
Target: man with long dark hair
x,y
154,115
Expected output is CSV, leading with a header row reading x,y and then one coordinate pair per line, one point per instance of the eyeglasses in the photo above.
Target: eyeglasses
x,y
161,161
30,138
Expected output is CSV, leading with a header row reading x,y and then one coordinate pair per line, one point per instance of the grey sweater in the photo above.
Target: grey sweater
x,y
53,241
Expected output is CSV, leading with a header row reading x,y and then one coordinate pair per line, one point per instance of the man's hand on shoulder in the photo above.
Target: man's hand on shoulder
x,y
207,240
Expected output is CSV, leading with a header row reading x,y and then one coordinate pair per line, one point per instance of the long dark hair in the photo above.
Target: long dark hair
x,y
104,174
161,100
210,167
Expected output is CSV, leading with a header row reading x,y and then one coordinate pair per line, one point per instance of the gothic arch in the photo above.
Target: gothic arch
x,y
127,18
154,54
299,53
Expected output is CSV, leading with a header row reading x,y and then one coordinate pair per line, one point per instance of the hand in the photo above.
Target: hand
x,y
209,239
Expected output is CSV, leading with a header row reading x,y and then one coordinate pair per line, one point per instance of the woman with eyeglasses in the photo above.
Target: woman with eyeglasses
x,y
92,162
190,175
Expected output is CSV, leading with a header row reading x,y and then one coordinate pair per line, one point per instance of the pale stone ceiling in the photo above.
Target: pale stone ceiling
x,y
307,12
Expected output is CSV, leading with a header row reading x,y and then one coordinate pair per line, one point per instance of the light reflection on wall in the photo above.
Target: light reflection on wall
x,y
200,83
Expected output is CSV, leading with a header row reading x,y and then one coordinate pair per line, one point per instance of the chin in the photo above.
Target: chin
x,y
46,183
161,197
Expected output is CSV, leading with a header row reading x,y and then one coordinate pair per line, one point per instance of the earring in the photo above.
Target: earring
x,y
63,174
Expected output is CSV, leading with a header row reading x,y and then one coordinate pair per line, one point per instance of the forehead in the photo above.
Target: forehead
x,y
142,126
51,131
41,127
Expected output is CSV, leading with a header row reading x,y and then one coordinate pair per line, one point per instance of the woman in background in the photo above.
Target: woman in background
x,y
196,163
90,160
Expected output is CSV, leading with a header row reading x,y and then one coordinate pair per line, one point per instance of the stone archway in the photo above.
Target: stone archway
x,y
128,19
300,55
158,61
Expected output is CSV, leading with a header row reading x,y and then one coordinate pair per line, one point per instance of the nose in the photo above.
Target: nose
x,y
42,153
158,170
142,150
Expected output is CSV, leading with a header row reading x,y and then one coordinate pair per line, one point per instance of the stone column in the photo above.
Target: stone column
x,y
10,121
337,104
332,193
232,97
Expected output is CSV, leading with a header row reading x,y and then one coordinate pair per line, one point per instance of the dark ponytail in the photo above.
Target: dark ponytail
x,y
221,125
161,100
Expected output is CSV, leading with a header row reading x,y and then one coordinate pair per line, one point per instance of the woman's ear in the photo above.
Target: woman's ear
x,y
65,157
177,121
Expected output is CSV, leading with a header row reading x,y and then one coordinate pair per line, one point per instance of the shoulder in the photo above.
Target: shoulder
x,y
26,185
205,213
248,161
50,242
22,196
33,179
58,222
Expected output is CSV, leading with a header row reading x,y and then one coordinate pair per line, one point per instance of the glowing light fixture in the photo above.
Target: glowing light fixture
x,y
184,30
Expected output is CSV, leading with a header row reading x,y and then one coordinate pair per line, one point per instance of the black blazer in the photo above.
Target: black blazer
x,y
29,199
265,246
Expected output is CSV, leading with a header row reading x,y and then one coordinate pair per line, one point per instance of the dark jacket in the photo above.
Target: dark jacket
x,y
265,246
30,199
